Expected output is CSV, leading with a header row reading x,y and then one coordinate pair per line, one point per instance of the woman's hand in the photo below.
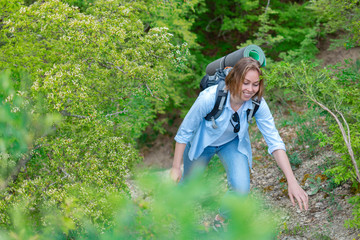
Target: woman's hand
x,y
175,174
296,192
294,189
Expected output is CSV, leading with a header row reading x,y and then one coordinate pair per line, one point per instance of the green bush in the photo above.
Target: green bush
x,y
283,29
339,15
162,211
336,92
289,31
18,127
108,80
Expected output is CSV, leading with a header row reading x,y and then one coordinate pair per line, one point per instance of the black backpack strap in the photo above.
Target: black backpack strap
x,y
221,96
222,62
204,82
251,112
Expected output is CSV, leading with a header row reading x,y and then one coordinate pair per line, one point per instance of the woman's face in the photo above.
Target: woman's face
x,y
250,86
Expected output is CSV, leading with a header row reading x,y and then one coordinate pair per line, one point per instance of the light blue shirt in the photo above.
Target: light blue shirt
x,y
200,133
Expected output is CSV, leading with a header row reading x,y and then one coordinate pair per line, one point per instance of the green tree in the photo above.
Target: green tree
x,y
339,15
277,26
179,16
105,76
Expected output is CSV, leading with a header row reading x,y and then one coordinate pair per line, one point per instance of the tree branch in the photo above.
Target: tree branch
x,y
111,114
152,93
21,164
267,6
211,21
347,125
119,68
67,114
347,141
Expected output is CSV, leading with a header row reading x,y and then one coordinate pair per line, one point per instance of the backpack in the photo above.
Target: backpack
x,y
221,95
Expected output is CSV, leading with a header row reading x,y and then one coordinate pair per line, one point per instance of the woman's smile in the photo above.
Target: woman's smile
x,y
250,86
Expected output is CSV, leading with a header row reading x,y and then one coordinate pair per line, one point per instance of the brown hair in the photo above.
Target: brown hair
x,y
235,79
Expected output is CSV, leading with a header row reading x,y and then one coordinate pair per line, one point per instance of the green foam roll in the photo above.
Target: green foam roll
x,y
231,59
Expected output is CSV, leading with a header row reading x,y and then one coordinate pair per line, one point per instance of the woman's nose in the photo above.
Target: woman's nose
x,y
249,88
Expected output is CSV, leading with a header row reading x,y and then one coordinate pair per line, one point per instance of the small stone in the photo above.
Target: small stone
x,y
309,192
289,238
319,205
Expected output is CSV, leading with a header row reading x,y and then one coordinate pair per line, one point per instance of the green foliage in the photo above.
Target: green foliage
x,y
347,79
339,15
177,15
289,31
14,137
107,77
165,212
8,7
295,160
338,90
355,221
185,71
230,20
18,125
109,67
81,4
297,230
306,125
110,63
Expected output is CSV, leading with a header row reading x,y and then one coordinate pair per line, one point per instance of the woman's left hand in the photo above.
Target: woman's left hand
x,y
294,189
296,192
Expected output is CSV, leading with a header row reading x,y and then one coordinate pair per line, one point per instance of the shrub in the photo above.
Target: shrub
x,y
336,92
106,77
163,211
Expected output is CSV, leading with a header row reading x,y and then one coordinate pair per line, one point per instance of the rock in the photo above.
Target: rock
x,y
312,191
319,205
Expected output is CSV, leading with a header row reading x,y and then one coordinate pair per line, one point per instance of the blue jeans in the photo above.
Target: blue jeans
x,y
235,163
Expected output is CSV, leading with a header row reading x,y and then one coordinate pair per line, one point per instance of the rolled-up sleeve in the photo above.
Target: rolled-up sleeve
x,y
195,116
266,125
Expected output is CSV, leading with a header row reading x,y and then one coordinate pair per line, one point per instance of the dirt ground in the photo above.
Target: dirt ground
x,y
328,211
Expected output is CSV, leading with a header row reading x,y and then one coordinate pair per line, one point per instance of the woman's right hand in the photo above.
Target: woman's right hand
x,y
175,174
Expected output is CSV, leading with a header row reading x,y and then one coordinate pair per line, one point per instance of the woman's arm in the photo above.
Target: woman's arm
x,y
191,123
294,189
175,172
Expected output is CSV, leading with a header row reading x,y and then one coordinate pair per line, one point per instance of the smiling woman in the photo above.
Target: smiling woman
x,y
197,141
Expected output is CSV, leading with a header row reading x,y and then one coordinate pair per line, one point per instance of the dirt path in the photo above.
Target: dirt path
x,y
329,206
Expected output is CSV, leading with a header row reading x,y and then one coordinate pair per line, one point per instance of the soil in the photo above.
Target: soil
x,y
328,209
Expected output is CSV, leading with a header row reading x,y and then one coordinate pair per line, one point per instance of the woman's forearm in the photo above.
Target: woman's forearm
x,y
283,162
294,190
178,154
175,172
